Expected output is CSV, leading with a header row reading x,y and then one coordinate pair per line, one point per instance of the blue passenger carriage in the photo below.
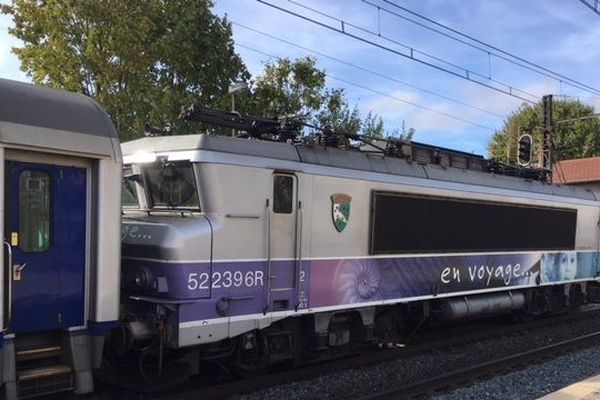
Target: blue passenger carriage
x,y
59,284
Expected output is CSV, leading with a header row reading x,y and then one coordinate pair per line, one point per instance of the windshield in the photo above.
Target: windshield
x,y
129,197
171,184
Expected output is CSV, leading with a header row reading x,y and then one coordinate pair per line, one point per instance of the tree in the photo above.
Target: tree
x,y
288,87
574,139
298,87
142,61
336,114
372,126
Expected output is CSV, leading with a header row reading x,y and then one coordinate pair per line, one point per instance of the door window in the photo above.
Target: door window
x,y
283,194
34,211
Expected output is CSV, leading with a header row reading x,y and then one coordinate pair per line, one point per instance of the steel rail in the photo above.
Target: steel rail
x,y
372,357
469,374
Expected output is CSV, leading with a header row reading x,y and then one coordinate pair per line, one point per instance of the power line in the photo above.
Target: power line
x,y
496,52
593,7
468,74
412,50
381,93
413,104
375,73
560,121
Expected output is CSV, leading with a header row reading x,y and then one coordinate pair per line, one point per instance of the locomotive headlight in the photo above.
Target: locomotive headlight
x,y
140,279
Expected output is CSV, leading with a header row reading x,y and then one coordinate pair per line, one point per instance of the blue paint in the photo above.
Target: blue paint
x,y
101,328
51,292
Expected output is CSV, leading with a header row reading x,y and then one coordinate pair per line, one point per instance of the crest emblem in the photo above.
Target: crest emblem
x,y
340,210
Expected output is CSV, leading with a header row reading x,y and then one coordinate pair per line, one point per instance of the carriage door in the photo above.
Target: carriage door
x,y
46,229
283,236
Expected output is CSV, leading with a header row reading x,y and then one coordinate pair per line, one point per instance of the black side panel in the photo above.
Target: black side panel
x,y
403,223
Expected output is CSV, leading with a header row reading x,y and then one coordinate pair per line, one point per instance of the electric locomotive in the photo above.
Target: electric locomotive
x,y
255,252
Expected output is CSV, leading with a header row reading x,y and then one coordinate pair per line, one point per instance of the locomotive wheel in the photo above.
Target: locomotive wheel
x,y
251,355
540,303
576,297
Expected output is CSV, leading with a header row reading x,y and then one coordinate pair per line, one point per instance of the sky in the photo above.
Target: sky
x,y
371,60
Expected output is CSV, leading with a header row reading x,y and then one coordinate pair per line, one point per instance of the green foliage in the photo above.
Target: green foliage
x,y
142,61
372,126
575,139
402,133
288,87
298,87
335,113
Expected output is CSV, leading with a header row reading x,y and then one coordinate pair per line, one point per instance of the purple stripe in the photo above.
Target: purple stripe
x,y
239,288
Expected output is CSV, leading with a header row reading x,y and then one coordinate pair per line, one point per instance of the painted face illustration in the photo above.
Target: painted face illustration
x,y
568,264
558,267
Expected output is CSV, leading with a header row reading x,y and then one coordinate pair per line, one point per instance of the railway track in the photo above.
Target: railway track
x,y
426,344
455,378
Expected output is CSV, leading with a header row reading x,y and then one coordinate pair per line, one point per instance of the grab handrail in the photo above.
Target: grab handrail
x,y
10,279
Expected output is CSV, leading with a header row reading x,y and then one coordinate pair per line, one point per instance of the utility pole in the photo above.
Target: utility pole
x,y
548,131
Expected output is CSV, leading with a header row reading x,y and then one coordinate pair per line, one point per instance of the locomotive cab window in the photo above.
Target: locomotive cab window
x,y
129,197
283,194
171,185
34,211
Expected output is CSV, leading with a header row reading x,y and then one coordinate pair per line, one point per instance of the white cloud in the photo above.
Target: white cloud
x,y
9,63
580,47
424,120
396,103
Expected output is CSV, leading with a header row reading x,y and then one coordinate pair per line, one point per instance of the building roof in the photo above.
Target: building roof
x,y
583,170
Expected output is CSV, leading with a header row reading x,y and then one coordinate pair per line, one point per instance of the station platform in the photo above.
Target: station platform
x,y
588,389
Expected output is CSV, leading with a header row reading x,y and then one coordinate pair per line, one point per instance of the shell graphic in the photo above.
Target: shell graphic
x,y
356,281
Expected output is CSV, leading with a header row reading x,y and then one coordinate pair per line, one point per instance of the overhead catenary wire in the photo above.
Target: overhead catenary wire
x,y
482,46
413,51
593,7
413,103
374,73
412,55
421,106
560,121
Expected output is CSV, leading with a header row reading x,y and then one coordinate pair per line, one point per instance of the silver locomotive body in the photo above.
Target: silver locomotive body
x,y
280,234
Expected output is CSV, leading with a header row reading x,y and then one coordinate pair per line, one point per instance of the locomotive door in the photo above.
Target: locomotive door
x,y
283,239
46,230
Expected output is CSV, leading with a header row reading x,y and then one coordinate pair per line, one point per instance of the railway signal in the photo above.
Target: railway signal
x,y
525,150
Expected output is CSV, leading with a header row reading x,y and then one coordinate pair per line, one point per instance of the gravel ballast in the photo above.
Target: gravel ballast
x,y
533,382
552,375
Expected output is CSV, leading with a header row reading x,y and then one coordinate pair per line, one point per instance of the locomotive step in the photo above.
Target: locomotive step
x,y
43,372
39,352
42,381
